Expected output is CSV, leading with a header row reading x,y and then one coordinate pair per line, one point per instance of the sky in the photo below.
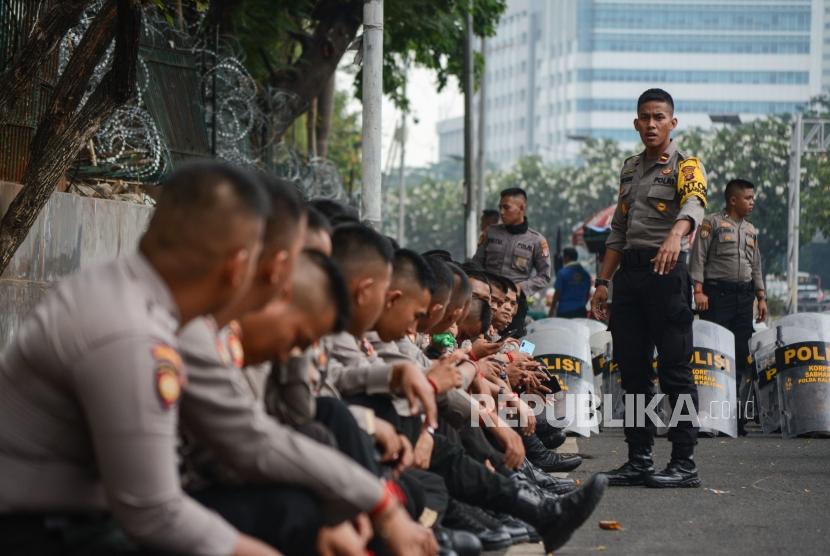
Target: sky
x,y
428,106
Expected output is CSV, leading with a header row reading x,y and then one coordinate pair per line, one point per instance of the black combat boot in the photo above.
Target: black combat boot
x,y
464,517
557,517
640,465
549,483
550,436
548,460
460,543
681,472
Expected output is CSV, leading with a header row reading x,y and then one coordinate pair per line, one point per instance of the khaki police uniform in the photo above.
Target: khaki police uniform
x,y
726,259
648,309
227,428
89,391
517,253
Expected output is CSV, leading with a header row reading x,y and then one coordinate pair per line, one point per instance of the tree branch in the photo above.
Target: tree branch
x,y
45,37
54,148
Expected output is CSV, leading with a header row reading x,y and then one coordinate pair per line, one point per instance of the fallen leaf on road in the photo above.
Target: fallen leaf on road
x,y
610,525
718,492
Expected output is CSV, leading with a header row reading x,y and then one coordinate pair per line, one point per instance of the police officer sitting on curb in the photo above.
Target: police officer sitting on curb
x,y
726,269
661,201
513,250
573,287
89,388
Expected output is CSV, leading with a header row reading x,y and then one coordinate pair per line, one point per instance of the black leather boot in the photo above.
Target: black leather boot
x,y
464,517
461,543
548,460
554,485
557,517
640,465
516,527
679,473
551,437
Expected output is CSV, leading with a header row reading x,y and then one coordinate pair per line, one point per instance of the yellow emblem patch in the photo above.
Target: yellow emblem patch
x,y
168,385
543,245
660,206
667,170
705,230
691,182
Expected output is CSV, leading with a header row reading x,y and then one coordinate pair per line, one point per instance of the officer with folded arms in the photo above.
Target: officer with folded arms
x,y
726,269
661,201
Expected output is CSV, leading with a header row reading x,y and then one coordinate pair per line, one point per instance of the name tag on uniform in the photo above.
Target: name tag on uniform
x,y
727,237
750,241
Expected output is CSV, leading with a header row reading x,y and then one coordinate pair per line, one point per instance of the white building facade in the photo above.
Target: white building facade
x,y
559,71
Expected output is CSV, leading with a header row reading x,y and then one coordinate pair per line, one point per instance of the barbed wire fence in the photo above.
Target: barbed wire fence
x,y
240,114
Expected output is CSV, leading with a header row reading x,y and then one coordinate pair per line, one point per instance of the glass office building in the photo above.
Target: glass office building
x,y
559,71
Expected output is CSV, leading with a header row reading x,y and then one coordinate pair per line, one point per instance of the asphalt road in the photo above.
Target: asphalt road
x,y
760,495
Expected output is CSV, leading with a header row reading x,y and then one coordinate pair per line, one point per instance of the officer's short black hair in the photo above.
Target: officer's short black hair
x,y
337,212
443,277
192,188
480,311
412,267
736,187
652,95
461,284
496,281
514,192
287,208
337,289
490,214
317,221
570,253
476,271
440,253
393,242
356,245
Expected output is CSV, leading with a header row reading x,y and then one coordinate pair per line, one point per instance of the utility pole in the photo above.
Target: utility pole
x,y
470,234
481,133
793,215
401,187
372,97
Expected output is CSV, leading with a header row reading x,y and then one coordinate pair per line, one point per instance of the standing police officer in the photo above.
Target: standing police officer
x,y
513,250
662,199
726,269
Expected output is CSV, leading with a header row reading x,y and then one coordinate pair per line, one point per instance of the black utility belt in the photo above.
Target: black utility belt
x,y
643,257
726,286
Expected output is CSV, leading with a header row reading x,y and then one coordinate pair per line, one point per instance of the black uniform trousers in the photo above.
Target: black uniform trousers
x,y
651,310
731,305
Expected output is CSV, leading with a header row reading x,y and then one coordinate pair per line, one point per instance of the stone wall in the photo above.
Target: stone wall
x,y
71,232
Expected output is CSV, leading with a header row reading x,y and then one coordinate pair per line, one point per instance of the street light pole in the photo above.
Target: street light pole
x,y
794,213
469,196
401,185
481,133
372,98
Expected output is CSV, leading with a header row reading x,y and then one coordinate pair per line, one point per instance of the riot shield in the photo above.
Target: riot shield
x,y
564,351
607,370
762,347
713,369
803,362
594,326
551,322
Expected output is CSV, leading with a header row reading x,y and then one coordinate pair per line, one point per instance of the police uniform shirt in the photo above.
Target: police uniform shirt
x,y
88,410
727,250
353,366
654,194
227,426
516,256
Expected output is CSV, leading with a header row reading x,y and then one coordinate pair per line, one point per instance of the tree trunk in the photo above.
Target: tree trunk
x,y
311,129
28,60
325,112
64,129
322,52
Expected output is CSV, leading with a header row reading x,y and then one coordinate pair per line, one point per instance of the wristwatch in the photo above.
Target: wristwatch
x,y
601,282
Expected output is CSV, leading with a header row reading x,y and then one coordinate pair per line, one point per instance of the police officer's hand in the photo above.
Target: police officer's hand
x,y
701,301
404,537
407,456
422,455
410,382
387,440
444,375
340,540
483,347
762,310
527,420
599,303
511,443
668,254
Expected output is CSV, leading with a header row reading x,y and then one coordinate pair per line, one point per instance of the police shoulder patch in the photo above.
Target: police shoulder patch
x,y
691,182
169,374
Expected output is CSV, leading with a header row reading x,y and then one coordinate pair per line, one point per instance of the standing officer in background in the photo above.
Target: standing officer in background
x,y
513,250
726,269
573,287
661,201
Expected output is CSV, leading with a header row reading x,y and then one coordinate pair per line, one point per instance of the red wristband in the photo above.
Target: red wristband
x,y
510,356
434,386
473,357
387,500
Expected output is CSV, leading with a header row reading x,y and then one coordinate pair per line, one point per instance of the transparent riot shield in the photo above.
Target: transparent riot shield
x,y
563,349
713,369
762,348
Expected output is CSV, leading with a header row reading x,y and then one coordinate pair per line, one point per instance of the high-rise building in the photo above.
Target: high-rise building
x,y
559,71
